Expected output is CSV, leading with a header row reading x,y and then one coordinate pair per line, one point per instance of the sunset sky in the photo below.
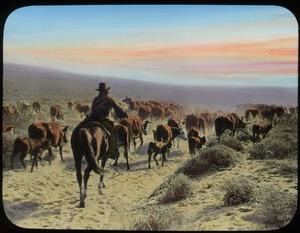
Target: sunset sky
x,y
185,45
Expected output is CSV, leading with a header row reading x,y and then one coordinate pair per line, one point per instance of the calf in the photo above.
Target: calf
x,y
52,131
55,111
261,129
157,148
123,140
196,143
35,147
7,128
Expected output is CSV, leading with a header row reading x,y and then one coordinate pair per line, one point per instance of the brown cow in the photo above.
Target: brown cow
x,y
157,113
9,110
175,122
70,105
51,131
36,106
196,143
165,133
230,121
194,121
193,132
7,128
136,129
157,148
253,111
23,146
261,129
123,140
144,112
56,112
209,120
83,109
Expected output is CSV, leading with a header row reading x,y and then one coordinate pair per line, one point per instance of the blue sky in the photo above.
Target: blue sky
x,y
194,44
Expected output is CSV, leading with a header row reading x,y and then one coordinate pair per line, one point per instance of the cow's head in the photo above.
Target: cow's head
x,y
145,127
64,134
181,134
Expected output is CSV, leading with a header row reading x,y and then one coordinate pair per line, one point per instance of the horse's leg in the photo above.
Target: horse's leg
x,y
86,177
101,183
126,157
78,158
117,158
149,160
61,156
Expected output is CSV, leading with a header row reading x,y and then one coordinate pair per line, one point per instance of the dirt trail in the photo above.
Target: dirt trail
x,y
49,197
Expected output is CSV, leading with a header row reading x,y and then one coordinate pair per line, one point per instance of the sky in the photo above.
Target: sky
x,y
206,45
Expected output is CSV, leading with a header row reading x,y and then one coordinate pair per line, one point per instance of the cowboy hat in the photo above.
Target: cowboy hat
x,y
102,87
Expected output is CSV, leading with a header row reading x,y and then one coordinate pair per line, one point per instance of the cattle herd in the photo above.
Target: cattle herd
x,y
197,127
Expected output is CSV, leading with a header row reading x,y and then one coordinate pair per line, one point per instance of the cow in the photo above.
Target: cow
x,y
123,140
7,128
10,110
83,109
254,112
194,121
230,121
35,147
70,105
136,129
193,132
157,113
56,112
191,121
196,143
261,129
158,148
36,106
144,112
175,122
51,131
165,133
209,120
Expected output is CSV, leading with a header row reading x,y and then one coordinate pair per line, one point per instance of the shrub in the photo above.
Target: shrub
x,y
238,190
175,190
258,151
278,145
209,159
158,221
231,142
278,208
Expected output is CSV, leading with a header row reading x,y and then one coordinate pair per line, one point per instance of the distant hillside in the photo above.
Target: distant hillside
x,y
26,82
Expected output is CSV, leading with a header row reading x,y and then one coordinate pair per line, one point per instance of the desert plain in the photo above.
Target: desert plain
x,y
48,197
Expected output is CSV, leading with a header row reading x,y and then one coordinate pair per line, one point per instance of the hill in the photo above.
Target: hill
x,y
26,82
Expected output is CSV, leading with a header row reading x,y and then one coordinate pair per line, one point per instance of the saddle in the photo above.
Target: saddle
x,y
90,123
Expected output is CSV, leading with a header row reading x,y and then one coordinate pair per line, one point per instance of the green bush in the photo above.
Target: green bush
x,y
209,159
280,143
278,208
231,142
238,190
158,221
175,190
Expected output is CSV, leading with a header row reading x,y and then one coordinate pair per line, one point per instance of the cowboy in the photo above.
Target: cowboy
x,y
101,106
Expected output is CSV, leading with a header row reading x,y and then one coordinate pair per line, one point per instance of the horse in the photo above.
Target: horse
x,y
91,141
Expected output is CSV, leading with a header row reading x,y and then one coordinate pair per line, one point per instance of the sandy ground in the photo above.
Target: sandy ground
x,y
48,198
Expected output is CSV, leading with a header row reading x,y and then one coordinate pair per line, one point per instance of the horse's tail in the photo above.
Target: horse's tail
x,y
89,154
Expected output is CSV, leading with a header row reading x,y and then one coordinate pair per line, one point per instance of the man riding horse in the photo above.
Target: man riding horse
x,y
101,106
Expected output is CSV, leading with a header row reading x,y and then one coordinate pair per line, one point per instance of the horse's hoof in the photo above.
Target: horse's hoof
x,y
82,205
